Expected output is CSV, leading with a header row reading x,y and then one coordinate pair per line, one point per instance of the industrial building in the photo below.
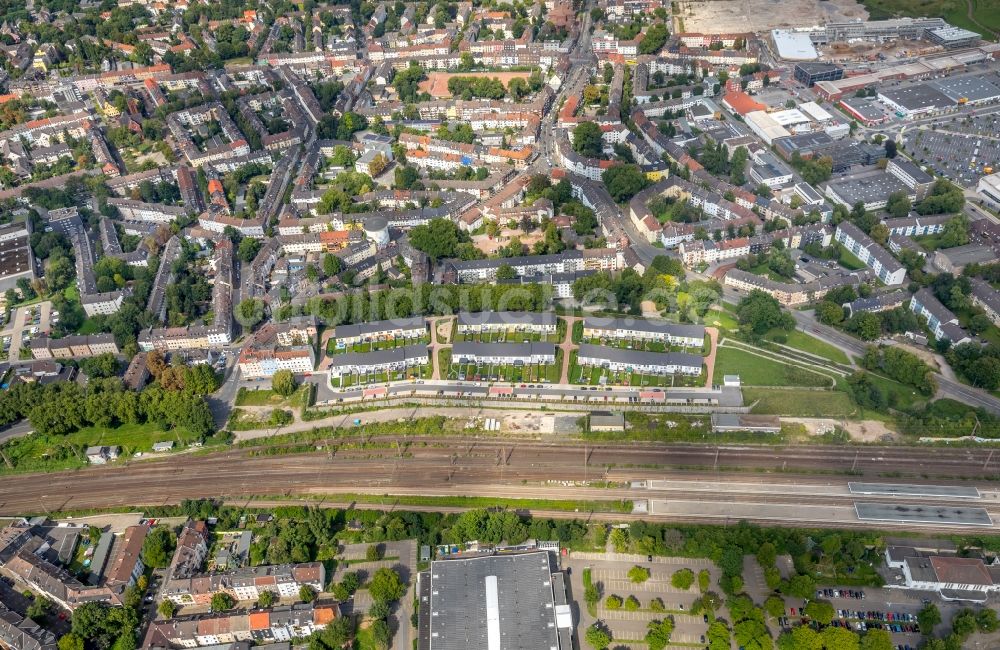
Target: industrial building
x,y
810,72
513,601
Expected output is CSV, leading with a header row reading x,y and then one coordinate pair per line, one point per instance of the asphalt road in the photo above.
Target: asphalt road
x,y
946,387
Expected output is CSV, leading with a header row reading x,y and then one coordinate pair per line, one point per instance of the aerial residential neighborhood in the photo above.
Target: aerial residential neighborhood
x,y
528,325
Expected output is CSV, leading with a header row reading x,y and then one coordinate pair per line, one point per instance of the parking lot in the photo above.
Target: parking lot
x,y
959,151
27,323
611,571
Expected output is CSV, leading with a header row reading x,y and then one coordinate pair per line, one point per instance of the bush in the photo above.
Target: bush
x,y
613,602
704,580
638,574
682,579
632,604
657,605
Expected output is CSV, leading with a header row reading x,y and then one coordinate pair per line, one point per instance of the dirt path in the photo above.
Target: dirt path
x,y
567,348
713,334
441,329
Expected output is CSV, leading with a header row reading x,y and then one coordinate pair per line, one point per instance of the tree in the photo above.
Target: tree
x,y
587,139
373,553
986,619
331,265
70,642
774,606
334,636
658,633
283,383
221,602
38,609
829,313
167,608
382,634
759,312
927,618
158,548
682,579
386,585
307,594
596,637
704,580
250,311
654,39
802,586
638,574
248,249
438,238
265,599
820,611
624,181
877,640
839,638
506,272
632,604
898,203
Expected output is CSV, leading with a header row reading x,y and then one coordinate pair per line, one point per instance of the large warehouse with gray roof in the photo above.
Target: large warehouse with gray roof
x,y
495,602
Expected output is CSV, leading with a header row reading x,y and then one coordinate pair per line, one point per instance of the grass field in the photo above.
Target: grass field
x,y
759,371
724,320
985,13
800,403
848,260
38,452
801,341
267,397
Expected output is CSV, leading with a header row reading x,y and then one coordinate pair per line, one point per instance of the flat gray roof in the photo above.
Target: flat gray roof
x,y
905,489
918,96
922,514
972,88
496,602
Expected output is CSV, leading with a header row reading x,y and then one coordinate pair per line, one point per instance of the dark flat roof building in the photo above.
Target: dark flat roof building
x,y
496,602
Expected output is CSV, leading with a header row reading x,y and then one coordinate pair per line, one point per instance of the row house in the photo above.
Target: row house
x,y
256,362
279,624
70,347
392,360
791,293
247,583
602,259
503,353
654,363
645,330
503,321
414,327
148,212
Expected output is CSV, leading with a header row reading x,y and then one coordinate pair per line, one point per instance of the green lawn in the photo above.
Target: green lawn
x,y
721,319
267,397
985,12
801,341
758,371
800,403
848,260
38,452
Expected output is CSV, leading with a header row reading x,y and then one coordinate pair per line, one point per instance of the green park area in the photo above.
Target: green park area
x,y
759,370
